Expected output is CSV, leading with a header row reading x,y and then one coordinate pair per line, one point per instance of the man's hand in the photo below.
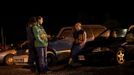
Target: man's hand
x,y
48,36
43,36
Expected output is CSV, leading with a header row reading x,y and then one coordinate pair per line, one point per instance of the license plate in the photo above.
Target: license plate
x,y
19,60
81,57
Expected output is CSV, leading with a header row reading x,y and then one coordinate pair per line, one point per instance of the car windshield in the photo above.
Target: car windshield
x,y
121,32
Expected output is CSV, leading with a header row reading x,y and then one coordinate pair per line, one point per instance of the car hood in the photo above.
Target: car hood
x,y
60,44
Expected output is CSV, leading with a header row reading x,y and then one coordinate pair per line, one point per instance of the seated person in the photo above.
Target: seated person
x,y
113,34
130,36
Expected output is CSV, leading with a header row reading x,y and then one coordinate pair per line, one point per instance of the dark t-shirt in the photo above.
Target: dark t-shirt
x,y
78,36
30,35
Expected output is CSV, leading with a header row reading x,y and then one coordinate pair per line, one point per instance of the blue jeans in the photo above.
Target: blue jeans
x,y
42,58
76,48
33,58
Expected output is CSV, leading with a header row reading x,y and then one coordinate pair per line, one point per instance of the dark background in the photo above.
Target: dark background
x,y
14,20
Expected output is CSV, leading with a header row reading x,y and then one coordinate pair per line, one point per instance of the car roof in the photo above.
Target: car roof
x,y
83,26
92,26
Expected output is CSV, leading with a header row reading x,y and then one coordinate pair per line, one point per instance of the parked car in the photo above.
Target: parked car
x,y
59,47
6,54
107,49
63,42
21,56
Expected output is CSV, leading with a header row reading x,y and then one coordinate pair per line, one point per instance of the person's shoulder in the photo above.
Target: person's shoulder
x,y
82,30
35,26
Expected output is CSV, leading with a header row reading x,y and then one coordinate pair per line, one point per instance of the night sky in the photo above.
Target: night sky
x,y
55,18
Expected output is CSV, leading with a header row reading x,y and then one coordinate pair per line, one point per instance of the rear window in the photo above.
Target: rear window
x,y
66,33
91,30
95,30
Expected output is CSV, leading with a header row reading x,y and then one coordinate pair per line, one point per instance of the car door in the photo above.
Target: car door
x,y
130,50
65,41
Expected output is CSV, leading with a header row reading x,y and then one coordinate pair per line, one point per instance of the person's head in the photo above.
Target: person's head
x,y
32,20
113,34
131,30
131,27
77,26
40,20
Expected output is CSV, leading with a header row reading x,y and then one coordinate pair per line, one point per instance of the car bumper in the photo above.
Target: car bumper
x,y
95,56
21,60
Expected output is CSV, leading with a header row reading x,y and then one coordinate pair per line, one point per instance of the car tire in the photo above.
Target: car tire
x,y
120,56
51,59
8,60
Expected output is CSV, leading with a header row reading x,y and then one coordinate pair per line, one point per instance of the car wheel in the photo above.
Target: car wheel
x,y
9,60
51,59
120,56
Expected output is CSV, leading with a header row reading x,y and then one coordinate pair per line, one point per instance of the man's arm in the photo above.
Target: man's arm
x,y
84,38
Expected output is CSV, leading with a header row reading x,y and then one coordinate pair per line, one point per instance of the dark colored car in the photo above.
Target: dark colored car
x,y
106,48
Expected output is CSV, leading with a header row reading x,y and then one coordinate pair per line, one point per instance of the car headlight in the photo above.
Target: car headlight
x,y
100,49
14,52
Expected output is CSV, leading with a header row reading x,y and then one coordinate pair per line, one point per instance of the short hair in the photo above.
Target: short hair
x,y
78,23
32,20
39,17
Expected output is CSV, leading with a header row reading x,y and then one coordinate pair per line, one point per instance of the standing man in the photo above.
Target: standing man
x,y
30,40
41,43
80,38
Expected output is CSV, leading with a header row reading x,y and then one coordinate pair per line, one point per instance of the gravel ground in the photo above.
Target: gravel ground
x,y
127,69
